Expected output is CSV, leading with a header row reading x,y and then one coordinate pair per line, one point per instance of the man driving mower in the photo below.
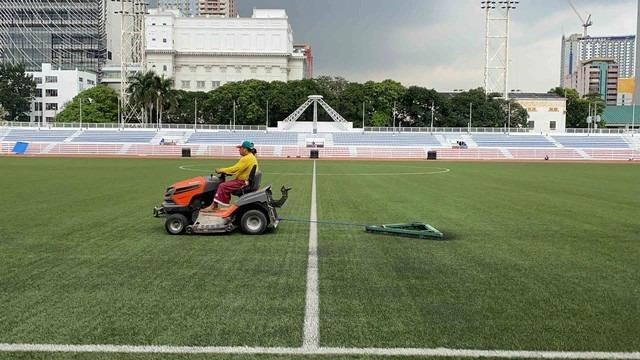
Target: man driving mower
x,y
241,170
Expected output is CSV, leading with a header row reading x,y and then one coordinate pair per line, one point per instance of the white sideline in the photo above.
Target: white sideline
x,y
311,339
439,352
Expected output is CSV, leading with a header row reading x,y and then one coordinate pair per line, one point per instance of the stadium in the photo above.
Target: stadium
x,y
538,259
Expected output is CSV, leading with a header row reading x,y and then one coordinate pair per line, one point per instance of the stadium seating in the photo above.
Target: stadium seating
x,y
113,136
258,137
385,139
592,142
513,141
38,135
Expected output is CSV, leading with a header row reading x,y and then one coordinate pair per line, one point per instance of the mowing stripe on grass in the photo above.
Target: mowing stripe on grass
x,y
439,352
311,338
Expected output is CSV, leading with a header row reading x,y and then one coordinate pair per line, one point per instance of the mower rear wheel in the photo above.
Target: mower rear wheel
x,y
176,224
253,222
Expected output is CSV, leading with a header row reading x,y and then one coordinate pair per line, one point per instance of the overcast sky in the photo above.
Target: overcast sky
x,y
440,43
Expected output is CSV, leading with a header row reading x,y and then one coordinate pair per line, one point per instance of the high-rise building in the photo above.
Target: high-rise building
x,y
225,8
577,49
187,7
598,76
65,34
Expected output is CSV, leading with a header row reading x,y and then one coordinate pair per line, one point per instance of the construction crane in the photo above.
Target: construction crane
x,y
585,24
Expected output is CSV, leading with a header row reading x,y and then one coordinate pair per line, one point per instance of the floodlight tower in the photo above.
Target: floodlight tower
x,y
132,57
496,70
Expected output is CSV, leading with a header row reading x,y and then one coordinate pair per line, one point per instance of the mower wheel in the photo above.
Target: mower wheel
x,y
176,224
253,222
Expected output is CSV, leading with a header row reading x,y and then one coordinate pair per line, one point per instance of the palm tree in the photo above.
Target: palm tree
x,y
142,92
166,96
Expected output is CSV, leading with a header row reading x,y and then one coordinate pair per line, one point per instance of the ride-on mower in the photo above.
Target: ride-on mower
x,y
253,213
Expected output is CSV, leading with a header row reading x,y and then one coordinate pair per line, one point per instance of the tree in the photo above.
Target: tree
x,y
17,89
99,105
142,92
577,107
416,107
3,113
153,94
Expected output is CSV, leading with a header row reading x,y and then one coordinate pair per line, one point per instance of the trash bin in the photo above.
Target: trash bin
x,y
186,152
432,155
314,154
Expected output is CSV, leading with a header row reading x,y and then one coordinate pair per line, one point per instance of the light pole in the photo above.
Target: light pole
x,y
266,129
633,120
508,117
195,114
394,117
470,116
432,113
234,116
81,101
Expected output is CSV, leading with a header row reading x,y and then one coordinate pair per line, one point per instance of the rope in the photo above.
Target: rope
x,y
321,222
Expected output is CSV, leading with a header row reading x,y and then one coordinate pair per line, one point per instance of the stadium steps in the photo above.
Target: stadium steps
x,y
551,139
353,151
583,154
125,149
3,132
75,135
507,154
48,148
202,150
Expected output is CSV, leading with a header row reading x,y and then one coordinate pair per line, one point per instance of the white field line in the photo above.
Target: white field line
x,y
433,170
437,352
311,339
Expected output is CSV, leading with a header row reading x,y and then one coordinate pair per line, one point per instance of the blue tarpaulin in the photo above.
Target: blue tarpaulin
x,y
20,147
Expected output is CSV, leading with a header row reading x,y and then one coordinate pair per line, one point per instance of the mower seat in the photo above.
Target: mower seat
x,y
254,183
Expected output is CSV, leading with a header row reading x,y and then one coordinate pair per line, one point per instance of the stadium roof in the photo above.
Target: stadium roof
x,y
620,115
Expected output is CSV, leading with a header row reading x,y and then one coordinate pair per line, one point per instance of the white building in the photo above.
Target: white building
x,y
547,112
202,53
55,88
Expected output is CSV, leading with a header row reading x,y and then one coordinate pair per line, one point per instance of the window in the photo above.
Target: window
x,y
552,125
164,41
90,82
38,118
186,84
153,39
164,67
49,119
37,106
51,79
37,80
553,109
51,92
200,84
532,109
80,79
530,124
215,84
52,106
39,93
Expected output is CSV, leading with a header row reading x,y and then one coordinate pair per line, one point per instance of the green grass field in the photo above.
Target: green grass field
x,y
538,256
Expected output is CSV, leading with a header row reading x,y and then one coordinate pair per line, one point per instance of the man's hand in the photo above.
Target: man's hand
x,y
217,171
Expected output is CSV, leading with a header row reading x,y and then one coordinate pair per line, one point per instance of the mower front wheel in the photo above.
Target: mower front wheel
x,y
253,222
176,224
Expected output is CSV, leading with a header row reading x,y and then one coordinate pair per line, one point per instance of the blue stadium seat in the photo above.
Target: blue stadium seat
x,y
385,139
229,137
114,136
592,142
38,135
512,141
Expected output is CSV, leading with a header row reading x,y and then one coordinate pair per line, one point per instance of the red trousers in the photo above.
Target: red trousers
x,y
223,194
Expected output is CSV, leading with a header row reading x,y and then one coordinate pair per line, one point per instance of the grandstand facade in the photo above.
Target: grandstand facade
x,y
407,143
